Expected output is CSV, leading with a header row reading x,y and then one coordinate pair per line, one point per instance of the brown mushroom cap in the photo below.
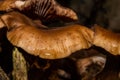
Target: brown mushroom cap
x,y
106,39
46,43
42,9
5,4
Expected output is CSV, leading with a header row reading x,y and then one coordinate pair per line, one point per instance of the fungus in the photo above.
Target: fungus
x,y
45,43
58,42
5,4
1,24
91,66
107,40
42,9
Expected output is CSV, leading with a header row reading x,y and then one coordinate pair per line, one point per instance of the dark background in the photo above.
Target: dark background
x,y
103,12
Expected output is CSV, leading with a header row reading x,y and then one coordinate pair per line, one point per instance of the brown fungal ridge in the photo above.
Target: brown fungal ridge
x,y
46,43
59,42
106,39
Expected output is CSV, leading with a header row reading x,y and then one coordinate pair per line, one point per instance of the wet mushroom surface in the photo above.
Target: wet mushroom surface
x,y
72,52
46,43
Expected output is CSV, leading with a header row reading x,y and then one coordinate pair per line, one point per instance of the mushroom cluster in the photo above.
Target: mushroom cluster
x,y
54,43
39,40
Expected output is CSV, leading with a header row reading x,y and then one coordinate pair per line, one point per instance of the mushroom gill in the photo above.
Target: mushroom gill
x,y
46,43
42,9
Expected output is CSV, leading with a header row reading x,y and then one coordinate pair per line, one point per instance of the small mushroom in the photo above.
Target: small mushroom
x,y
42,9
46,43
89,63
89,67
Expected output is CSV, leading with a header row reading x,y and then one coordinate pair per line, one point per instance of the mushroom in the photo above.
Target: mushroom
x,y
106,39
42,9
45,43
89,67
5,4
90,64
59,42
